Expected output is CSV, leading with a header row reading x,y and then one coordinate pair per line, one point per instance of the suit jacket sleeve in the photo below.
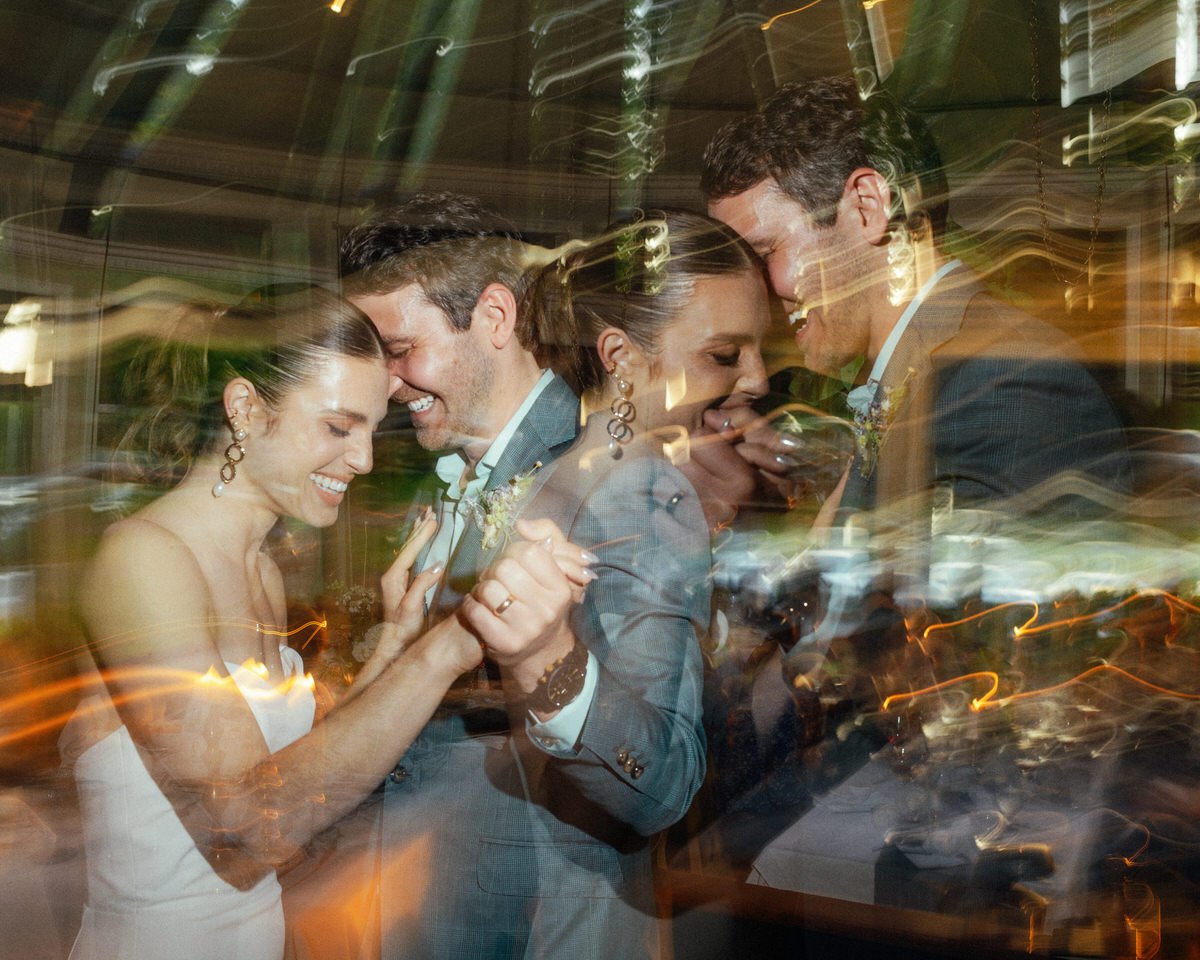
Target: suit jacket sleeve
x,y
640,756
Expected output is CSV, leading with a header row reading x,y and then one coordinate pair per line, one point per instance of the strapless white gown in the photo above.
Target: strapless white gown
x,y
151,894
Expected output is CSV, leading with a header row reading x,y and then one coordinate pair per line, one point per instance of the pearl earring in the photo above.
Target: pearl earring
x,y
235,453
623,414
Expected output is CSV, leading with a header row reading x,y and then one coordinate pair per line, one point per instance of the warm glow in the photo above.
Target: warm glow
x,y
17,346
779,16
212,677
675,389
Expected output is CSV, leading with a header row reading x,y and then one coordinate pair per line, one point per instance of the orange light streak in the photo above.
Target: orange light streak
x,y
984,613
779,16
315,624
53,659
988,699
170,680
912,694
1027,631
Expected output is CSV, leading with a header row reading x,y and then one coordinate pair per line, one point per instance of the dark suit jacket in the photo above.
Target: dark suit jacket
x,y
512,851
996,405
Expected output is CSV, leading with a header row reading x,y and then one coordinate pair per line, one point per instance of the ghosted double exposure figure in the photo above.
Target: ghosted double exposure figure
x,y
521,822
958,402
202,762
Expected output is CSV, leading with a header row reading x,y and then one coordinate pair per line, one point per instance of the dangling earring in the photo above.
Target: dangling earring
x,y
623,414
902,266
234,454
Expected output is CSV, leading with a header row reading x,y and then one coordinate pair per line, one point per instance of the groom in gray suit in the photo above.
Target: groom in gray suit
x,y
519,823
843,196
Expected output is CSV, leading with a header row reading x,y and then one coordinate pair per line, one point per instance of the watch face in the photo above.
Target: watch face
x,y
564,685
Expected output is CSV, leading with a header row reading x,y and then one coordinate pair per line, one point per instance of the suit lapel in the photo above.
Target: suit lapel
x,y
548,428
937,320
896,478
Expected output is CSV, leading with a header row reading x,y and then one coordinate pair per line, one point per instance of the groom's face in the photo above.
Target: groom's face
x,y
447,376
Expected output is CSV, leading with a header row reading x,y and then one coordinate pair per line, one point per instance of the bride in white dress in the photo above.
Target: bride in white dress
x,y
199,765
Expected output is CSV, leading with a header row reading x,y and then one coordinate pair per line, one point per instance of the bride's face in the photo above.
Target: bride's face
x,y
304,454
711,354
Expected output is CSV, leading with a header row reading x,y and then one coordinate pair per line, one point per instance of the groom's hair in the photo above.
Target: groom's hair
x,y
453,246
810,136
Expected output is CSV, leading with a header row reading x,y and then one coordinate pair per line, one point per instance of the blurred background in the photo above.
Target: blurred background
x,y
154,151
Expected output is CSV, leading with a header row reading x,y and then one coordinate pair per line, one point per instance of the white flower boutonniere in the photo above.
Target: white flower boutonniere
x,y
872,424
495,511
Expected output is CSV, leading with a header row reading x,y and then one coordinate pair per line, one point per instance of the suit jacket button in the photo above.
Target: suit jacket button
x,y
622,756
636,771
398,775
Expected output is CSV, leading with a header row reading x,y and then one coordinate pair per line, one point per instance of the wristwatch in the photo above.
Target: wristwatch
x,y
561,683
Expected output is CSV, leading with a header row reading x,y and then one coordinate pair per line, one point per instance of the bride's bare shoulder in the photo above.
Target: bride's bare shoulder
x,y
139,553
143,532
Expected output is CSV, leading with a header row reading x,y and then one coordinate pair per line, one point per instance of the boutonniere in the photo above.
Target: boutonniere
x,y
871,424
495,511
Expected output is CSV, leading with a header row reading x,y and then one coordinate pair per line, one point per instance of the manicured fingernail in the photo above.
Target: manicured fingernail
x,y
589,574
785,461
787,441
726,423
548,544
588,557
438,567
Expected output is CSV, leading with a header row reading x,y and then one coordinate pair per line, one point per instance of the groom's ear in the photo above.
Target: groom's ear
x,y
496,310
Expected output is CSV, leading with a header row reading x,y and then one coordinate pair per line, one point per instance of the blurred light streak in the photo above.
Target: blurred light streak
x,y
989,699
1027,630
934,628
779,16
1105,44
447,45
1109,135
1186,29
104,77
166,681
142,10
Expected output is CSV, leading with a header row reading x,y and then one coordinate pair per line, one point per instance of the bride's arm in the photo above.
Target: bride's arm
x,y
153,632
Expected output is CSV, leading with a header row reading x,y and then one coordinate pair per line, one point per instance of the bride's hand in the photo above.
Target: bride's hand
x,y
403,594
520,608
403,603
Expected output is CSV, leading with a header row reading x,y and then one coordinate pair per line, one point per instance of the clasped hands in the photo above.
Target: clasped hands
x,y
518,609
737,459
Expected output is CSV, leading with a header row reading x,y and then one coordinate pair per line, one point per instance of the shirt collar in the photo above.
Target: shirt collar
x,y
451,466
860,397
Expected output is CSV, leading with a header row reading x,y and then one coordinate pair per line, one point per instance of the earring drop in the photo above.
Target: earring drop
x,y
235,453
623,414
